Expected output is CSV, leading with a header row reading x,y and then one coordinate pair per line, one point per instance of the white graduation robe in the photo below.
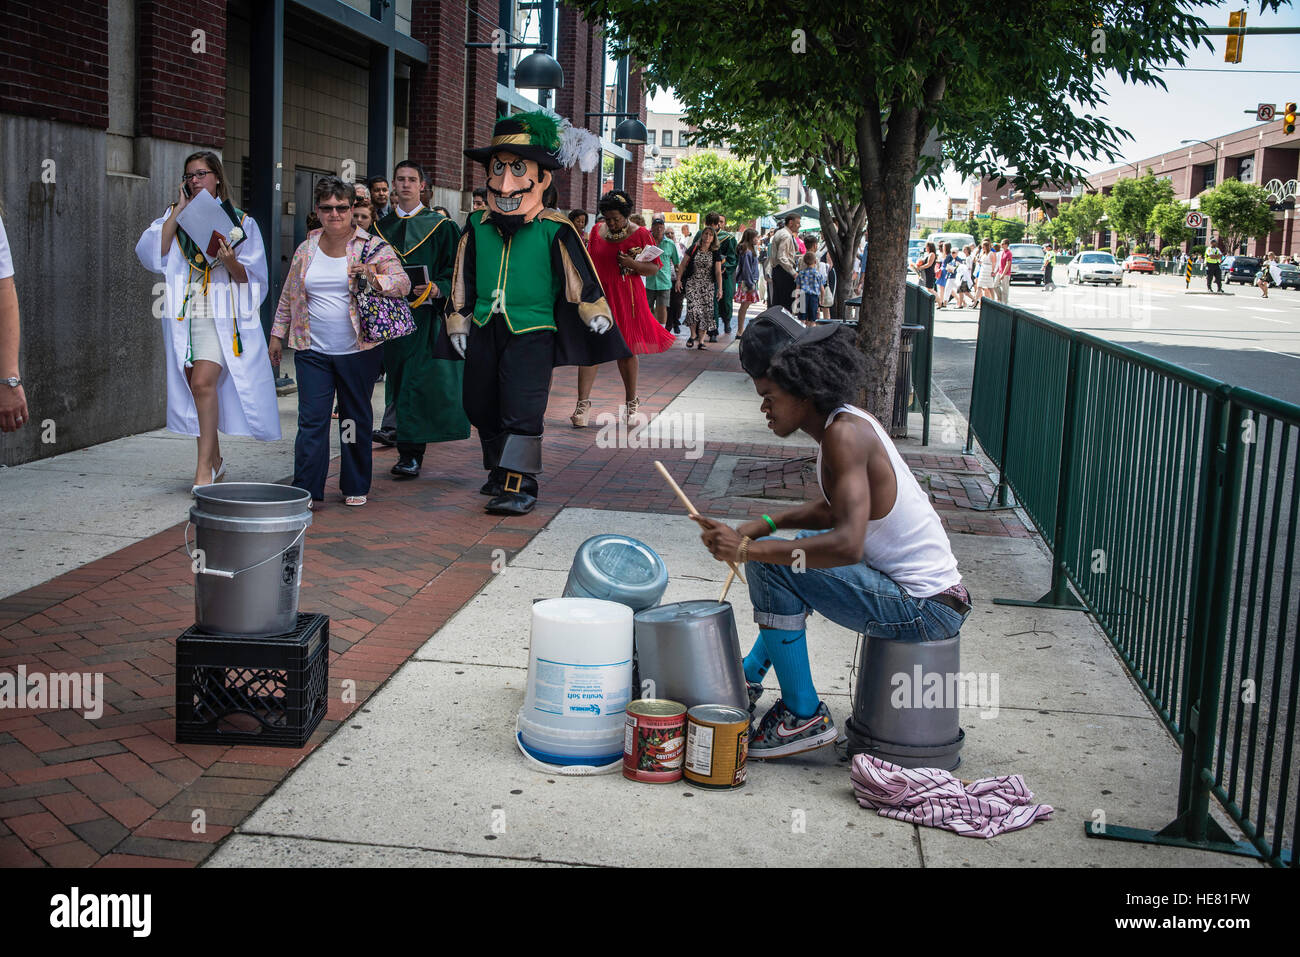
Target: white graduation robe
x,y
246,388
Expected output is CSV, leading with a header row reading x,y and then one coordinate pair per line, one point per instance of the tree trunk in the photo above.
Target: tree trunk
x,y
842,227
887,196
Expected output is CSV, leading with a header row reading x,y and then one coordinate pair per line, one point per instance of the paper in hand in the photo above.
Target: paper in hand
x,y
206,222
650,254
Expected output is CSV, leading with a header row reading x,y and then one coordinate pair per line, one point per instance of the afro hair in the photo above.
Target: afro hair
x,y
829,372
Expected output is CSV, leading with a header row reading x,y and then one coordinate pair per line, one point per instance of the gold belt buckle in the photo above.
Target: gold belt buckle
x,y
515,477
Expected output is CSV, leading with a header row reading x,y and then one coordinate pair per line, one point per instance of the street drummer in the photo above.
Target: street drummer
x,y
869,553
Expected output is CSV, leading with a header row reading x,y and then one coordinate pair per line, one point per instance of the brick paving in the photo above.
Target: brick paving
x,y
120,791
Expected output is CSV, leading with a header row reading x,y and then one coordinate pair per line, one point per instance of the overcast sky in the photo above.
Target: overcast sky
x,y
1200,105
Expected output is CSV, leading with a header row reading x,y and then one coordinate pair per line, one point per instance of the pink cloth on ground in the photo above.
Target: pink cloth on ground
x,y
983,808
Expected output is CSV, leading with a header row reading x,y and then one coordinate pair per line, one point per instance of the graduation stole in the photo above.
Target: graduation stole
x,y
414,230
197,262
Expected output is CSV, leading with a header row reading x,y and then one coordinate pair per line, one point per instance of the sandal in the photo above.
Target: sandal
x,y
633,407
580,413
354,500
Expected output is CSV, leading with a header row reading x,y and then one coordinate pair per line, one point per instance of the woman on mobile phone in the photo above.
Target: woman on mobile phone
x,y
218,372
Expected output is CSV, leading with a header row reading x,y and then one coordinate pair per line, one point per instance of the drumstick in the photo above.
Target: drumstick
x,y
731,575
691,509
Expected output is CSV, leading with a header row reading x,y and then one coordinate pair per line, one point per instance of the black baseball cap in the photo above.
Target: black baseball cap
x,y
771,332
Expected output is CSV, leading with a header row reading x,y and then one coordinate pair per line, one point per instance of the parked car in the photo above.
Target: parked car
x,y
915,249
1290,276
1094,267
1140,263
1242,269
1027,262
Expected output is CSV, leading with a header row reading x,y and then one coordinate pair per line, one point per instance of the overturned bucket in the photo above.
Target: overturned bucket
x,y
906,707
247,557
689,651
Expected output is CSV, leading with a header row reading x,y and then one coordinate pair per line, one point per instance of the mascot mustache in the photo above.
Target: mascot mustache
x,y
509,202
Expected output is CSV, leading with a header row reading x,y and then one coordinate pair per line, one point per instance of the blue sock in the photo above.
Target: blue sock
x,y
757,662
788,651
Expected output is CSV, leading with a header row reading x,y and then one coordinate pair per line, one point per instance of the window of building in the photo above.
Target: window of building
x,y
668,138
1207,177
783,194
650,138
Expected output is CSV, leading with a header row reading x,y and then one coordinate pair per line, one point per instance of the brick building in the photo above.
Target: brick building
x,y
1261,154
101,101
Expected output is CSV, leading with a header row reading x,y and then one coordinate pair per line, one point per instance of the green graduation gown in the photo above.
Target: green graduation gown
x,y
426,391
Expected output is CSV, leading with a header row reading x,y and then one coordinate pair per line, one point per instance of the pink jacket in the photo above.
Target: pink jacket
x,y
291,314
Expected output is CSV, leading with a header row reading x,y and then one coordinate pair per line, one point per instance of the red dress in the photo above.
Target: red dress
x,y
626,294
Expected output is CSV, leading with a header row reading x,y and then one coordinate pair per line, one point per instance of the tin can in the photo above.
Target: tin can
x,y
717,742
654,741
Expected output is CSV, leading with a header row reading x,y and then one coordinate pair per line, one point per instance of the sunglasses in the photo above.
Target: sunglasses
x,y
337,210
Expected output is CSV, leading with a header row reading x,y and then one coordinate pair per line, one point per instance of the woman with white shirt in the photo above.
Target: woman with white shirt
x,y
318,315
218,376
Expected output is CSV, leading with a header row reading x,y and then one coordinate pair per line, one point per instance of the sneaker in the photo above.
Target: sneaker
x,y
781,734
755,689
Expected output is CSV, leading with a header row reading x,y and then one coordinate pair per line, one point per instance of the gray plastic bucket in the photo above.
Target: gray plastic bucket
x,y
247,557
691,653
893,718
617,568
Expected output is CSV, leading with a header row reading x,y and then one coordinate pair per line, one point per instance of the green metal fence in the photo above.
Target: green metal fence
x,y
1170,503
918,310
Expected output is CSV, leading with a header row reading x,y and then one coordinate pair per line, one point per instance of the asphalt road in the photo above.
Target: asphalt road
x,y
1236,336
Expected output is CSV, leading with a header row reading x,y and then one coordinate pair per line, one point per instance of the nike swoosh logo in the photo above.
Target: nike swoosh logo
x,y
792,640
783,733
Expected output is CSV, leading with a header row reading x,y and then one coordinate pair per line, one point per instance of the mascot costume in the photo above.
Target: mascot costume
x,y
524,299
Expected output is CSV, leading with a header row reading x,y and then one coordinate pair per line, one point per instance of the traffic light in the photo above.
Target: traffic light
x,y
1288,119
1236,42
971,215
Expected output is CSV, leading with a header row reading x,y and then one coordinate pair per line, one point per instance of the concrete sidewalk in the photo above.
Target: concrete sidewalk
x,y
423,769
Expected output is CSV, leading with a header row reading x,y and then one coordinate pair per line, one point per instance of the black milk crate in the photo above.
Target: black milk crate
x,y
269,691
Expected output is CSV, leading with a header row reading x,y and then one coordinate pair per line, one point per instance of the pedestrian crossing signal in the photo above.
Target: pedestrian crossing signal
x,y
1288,119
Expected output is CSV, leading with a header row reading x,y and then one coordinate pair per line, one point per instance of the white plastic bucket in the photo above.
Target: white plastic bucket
x,y
579,682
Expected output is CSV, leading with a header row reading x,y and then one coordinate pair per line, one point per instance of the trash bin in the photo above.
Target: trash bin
x,y
903,382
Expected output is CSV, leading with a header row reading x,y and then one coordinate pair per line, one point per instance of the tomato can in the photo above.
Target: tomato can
x,y
654,741
717,743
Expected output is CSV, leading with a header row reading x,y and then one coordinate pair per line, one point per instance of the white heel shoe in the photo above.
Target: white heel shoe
x,y
217,476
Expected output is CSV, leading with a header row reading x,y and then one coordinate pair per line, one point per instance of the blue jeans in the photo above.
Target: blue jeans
x,y
321,377
857,597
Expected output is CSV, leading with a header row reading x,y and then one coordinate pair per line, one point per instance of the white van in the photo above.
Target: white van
x,y
958,240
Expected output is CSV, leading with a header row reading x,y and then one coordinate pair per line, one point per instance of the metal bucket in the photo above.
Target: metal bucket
x,y
247,557
899,715
688,651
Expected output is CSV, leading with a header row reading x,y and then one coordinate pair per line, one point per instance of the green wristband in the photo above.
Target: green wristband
x,y
768,519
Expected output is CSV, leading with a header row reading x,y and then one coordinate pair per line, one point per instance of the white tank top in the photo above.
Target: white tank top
x,y
909,544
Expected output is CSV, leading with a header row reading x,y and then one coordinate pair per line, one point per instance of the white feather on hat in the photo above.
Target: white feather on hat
x,y
577,145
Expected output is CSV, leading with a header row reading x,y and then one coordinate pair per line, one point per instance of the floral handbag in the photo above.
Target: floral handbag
x,y
381,317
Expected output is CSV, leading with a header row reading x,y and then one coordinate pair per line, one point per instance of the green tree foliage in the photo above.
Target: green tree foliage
x,y
1169,221
1012,230
849,94
926,232
959,226
1129,206
708,183
1078,218
1238,211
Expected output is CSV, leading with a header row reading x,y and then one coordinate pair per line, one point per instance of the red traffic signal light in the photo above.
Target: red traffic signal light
x,y
1288,119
